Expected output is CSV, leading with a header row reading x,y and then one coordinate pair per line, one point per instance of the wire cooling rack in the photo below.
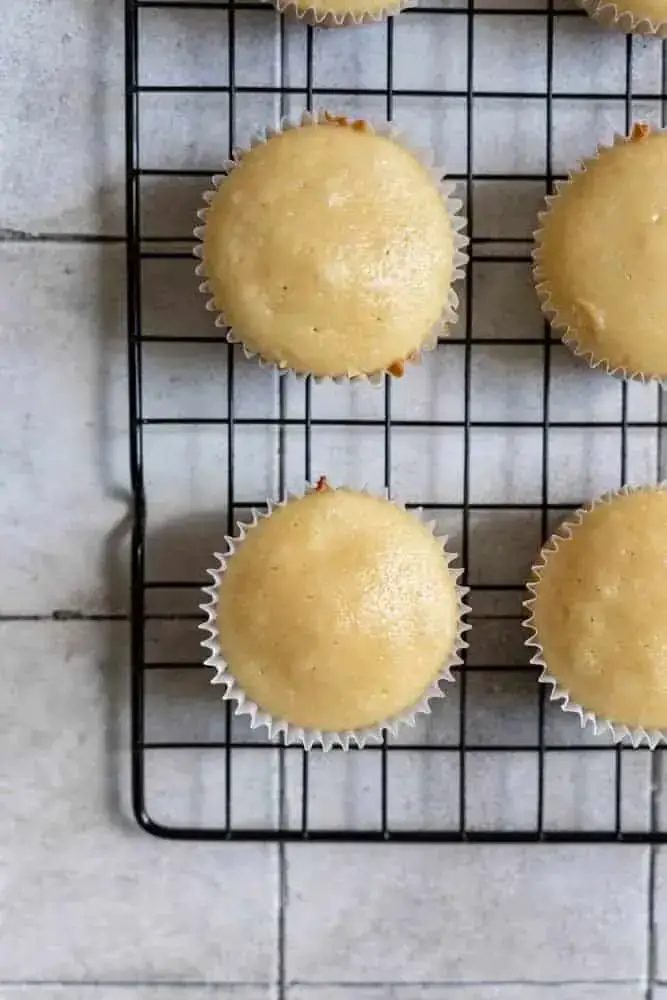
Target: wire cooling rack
x,y
499,433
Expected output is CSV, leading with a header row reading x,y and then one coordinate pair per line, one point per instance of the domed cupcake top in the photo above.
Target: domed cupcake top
x,y
602,256
329,249
598,611
337,611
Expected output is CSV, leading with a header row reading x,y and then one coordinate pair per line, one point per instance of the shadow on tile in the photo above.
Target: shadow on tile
x,y
113,665
177,556
168,207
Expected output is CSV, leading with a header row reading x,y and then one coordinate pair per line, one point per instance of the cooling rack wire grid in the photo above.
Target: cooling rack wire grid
x,y
498,434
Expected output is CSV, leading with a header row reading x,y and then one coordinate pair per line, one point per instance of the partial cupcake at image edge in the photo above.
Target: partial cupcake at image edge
x,y
330,248
334,617
342,13
601,257
597,617
633,17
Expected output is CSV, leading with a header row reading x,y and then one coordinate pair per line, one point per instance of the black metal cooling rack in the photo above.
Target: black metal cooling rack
x,y
294,783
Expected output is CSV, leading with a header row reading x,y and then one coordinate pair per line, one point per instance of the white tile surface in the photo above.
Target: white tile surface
x,y
436,123
183,47
490,991
63,441
601,58
661,912
423,790
358,58
187,787
506,383
661,784
62,148
505,465
422,914
433,36
508,136
344,790
81,991
583,465
496,67
427,464
501,791
580,790
87,896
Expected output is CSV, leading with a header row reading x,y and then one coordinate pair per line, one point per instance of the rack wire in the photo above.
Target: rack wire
x,y
515,770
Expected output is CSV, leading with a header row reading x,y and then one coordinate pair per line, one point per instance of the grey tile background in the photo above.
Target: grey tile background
x,y
86,896
480,991
92,909
61,84
63,427
381,901
155,991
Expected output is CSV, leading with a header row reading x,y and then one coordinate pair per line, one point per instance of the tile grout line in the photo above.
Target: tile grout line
x,y
66,616
24,236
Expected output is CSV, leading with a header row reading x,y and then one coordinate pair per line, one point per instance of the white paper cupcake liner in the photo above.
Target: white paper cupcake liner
x,y
568,334
309,738
460,258
609,16
319,17
637,736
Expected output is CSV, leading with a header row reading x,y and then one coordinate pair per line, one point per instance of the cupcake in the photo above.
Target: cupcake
x,y
597,614
333,617
340,13
601,257
637,17
330,249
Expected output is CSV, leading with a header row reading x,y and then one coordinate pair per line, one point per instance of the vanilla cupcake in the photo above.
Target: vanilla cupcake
x,y
333,617
341,13
601,257
637,17
597,614
330,249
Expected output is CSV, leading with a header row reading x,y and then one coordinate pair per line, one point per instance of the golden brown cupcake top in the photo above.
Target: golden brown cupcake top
x,y
602,256
654,11
337,611
599,610
330,250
